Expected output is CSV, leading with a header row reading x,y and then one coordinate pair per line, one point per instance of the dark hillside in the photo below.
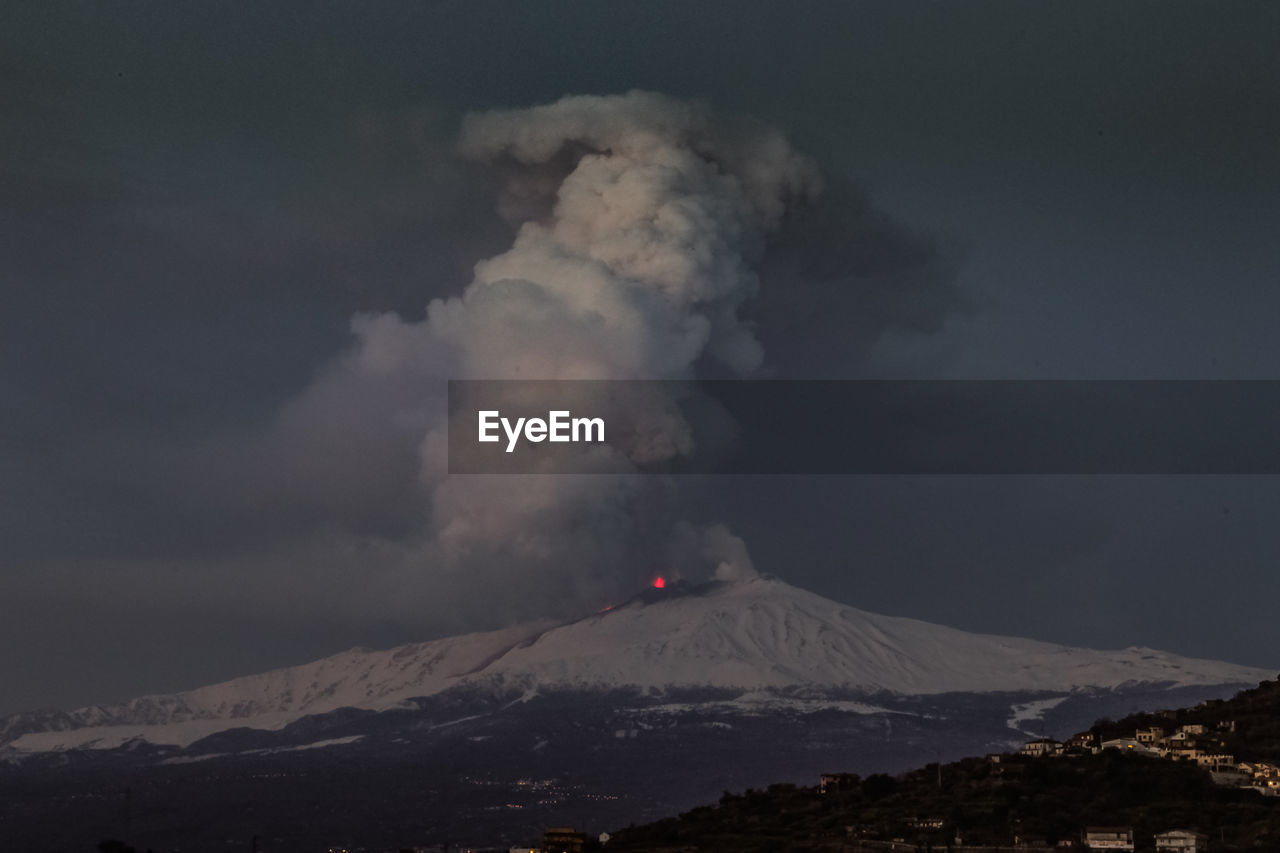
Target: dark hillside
x,y
1002,800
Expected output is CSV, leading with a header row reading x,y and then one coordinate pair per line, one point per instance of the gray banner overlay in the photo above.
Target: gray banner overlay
x,y
866,427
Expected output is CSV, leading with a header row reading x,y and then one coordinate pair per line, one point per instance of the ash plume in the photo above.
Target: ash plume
x,y
649,215
642,222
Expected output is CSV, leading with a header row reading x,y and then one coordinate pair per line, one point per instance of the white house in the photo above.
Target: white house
x,y
1128,744
1182,840
1041,746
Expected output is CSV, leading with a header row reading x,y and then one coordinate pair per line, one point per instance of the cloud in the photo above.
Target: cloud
x,y
840,274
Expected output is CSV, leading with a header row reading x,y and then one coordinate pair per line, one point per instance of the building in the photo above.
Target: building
x,y
1083,740
1262,770
1216,759
1150,736
1041,746
1128,744
1109,837
563,839
1182,840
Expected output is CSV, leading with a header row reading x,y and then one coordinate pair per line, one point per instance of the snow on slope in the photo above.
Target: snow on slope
x,y
271,700
764,633
755,635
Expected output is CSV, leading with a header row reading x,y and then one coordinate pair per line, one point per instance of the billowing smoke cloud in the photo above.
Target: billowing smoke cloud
x,y
638,271
641,226
648,216
647,255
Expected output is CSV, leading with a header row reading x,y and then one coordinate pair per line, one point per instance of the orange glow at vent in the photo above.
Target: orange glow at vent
x,y
659,583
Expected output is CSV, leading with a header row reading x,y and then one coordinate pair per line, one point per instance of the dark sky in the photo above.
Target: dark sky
x,y
195,200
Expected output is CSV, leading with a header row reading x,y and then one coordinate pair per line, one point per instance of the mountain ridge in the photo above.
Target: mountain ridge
x,y
755,635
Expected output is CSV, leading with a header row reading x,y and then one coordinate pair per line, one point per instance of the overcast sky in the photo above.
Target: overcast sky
x,y
196,199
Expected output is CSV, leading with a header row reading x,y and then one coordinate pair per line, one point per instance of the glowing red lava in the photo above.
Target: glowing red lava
x,y
659,583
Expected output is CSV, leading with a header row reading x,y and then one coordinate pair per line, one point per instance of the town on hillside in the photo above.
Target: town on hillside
x,y
1190,780
1194,742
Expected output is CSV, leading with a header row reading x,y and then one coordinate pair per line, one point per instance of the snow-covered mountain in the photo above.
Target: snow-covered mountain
x,y
757,635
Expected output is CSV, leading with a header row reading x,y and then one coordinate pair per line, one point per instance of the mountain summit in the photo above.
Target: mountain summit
x,y
755,635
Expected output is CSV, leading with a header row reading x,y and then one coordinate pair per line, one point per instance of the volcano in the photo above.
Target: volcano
x,y
630,714
760,637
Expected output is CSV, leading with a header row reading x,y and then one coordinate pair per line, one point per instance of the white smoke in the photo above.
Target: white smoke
x,y
635,267
647,255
